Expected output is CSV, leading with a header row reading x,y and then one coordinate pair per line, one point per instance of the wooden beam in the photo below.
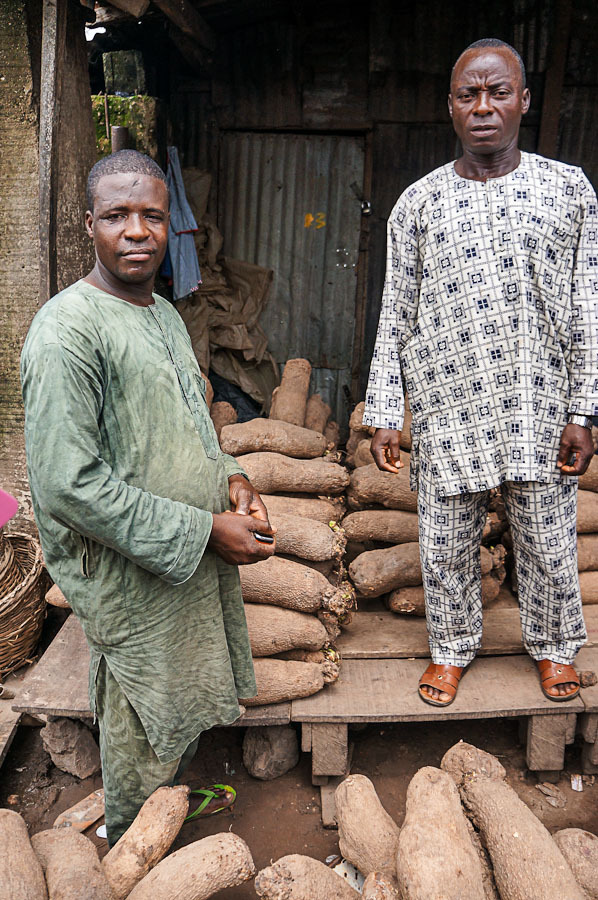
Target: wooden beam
x,y
553,82
52,58
134,8
198,58
186,18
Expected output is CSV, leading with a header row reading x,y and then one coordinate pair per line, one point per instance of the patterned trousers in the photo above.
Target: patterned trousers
x,y
543,525
131,771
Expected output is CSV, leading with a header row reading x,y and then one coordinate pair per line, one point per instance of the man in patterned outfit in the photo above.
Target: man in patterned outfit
x,y
489,322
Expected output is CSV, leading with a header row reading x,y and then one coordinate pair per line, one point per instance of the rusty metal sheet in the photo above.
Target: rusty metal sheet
x,y
292,203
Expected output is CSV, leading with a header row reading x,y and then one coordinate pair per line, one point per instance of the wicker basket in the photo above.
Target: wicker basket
x,y
10,570
22,604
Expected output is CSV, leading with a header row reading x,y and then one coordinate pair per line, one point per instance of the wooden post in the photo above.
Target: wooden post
x,y
52,56
329,749
553,82
546,740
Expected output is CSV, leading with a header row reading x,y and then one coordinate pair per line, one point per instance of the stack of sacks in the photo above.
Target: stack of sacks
x,y
297,599
383,511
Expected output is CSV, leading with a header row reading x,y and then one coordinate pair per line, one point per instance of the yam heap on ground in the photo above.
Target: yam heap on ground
x,y
296,601
62,864
466,835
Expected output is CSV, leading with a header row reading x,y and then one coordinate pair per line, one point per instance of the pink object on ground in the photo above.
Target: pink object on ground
x,y
8,507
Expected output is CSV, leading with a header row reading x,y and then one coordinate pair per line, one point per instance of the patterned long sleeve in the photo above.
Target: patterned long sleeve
x,y
583,358
384,402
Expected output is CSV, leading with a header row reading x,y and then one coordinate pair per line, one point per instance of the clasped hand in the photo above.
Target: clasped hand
x,y
232,536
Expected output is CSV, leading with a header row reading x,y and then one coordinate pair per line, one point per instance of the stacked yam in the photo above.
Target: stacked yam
x,y
382,531
587,533
295,601
587,536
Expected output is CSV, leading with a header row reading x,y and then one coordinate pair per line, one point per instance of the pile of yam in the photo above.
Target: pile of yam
x,y
62,864
297,600
466,835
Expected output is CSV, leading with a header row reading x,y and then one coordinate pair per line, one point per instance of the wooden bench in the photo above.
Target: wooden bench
x,y
382,663
58,684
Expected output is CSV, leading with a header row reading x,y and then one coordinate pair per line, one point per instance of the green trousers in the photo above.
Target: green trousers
x,y
131,771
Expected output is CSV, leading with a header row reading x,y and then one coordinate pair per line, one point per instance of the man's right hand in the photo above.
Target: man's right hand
x,y
232,538
386,450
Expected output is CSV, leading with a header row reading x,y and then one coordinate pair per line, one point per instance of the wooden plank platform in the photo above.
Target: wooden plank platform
x,y
385,690
381,634
587,659
9,717
58,685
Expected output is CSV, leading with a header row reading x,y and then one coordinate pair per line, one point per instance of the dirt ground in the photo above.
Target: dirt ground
x,y
283,816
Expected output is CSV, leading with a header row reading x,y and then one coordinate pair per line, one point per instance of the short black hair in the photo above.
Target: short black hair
x,y
495,42
120,162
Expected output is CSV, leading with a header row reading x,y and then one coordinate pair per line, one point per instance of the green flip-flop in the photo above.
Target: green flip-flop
x,y
221,796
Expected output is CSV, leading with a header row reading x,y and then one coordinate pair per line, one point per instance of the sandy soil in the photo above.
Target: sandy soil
x,y
283,816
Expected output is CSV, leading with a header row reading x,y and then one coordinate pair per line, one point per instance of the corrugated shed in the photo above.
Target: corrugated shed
x,y
292,203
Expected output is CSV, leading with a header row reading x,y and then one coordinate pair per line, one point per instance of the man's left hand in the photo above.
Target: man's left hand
x,y
244,499
577,440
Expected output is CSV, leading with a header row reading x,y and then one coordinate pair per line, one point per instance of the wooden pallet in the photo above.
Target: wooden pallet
x,y
381,634
382,688
58,685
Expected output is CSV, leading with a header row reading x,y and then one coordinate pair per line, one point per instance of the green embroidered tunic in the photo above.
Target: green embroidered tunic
x,y
125,470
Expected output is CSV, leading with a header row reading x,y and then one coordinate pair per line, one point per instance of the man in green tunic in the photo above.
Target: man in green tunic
x,y
143,520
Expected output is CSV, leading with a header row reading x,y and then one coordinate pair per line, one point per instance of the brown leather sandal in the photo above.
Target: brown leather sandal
x,y
553,674
443,678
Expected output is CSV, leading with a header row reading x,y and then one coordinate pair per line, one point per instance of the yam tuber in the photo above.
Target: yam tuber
x,y
289,399
278,680
589,480
356,420
317,413
378,886
299,877
587,512
436,859
367,836
55,597
70,861
147,840
198,870
527,863
463,760
21,875
332,433
362,455
409,601
587,553
377,572
272,473
370,486
324,566
588,583
392,526
223,414
319,509
273,630
291,585
272,435
307,540
580,849
328,659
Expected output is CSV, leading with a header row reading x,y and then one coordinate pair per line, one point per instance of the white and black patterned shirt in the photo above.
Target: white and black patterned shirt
x,y
489,322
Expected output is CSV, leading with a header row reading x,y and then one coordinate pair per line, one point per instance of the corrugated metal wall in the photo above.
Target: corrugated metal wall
x,y
292,203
